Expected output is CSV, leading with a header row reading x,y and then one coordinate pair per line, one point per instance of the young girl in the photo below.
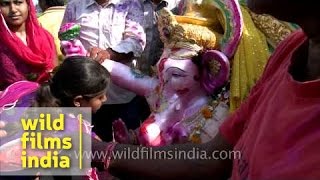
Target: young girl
x,y
78,82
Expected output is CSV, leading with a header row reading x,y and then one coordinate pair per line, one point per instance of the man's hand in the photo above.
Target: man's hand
x,y
98,54
3,133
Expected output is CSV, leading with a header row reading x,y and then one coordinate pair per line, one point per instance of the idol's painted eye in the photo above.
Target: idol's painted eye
x,y
178,75
176,72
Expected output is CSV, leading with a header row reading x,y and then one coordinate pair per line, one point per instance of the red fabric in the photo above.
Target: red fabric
x,y
277,128
17,59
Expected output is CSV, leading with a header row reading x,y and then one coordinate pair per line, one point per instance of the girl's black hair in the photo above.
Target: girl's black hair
x,y
76,76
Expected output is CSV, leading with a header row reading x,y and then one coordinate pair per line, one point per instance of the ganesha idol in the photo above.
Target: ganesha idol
x,y
188,97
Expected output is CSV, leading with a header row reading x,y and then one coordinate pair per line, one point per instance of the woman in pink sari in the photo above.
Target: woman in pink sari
x,y
27,51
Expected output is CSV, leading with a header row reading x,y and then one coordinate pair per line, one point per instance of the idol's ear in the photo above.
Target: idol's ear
x,y
216,70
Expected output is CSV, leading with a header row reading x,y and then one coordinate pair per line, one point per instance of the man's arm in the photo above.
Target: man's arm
x,y
165,163
101,55
134,37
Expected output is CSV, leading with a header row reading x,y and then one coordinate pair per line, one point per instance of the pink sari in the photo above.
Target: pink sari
x,y
25,62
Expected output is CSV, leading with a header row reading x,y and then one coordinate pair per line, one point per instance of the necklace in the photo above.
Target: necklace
x,y
205,114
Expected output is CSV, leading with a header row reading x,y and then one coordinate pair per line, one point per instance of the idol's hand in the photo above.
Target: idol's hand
x,y
121,133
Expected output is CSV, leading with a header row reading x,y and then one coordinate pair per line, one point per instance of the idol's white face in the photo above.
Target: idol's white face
x,y
181,75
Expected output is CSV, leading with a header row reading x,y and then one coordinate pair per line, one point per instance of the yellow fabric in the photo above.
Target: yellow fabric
x,y
51,20
249,61
274,30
